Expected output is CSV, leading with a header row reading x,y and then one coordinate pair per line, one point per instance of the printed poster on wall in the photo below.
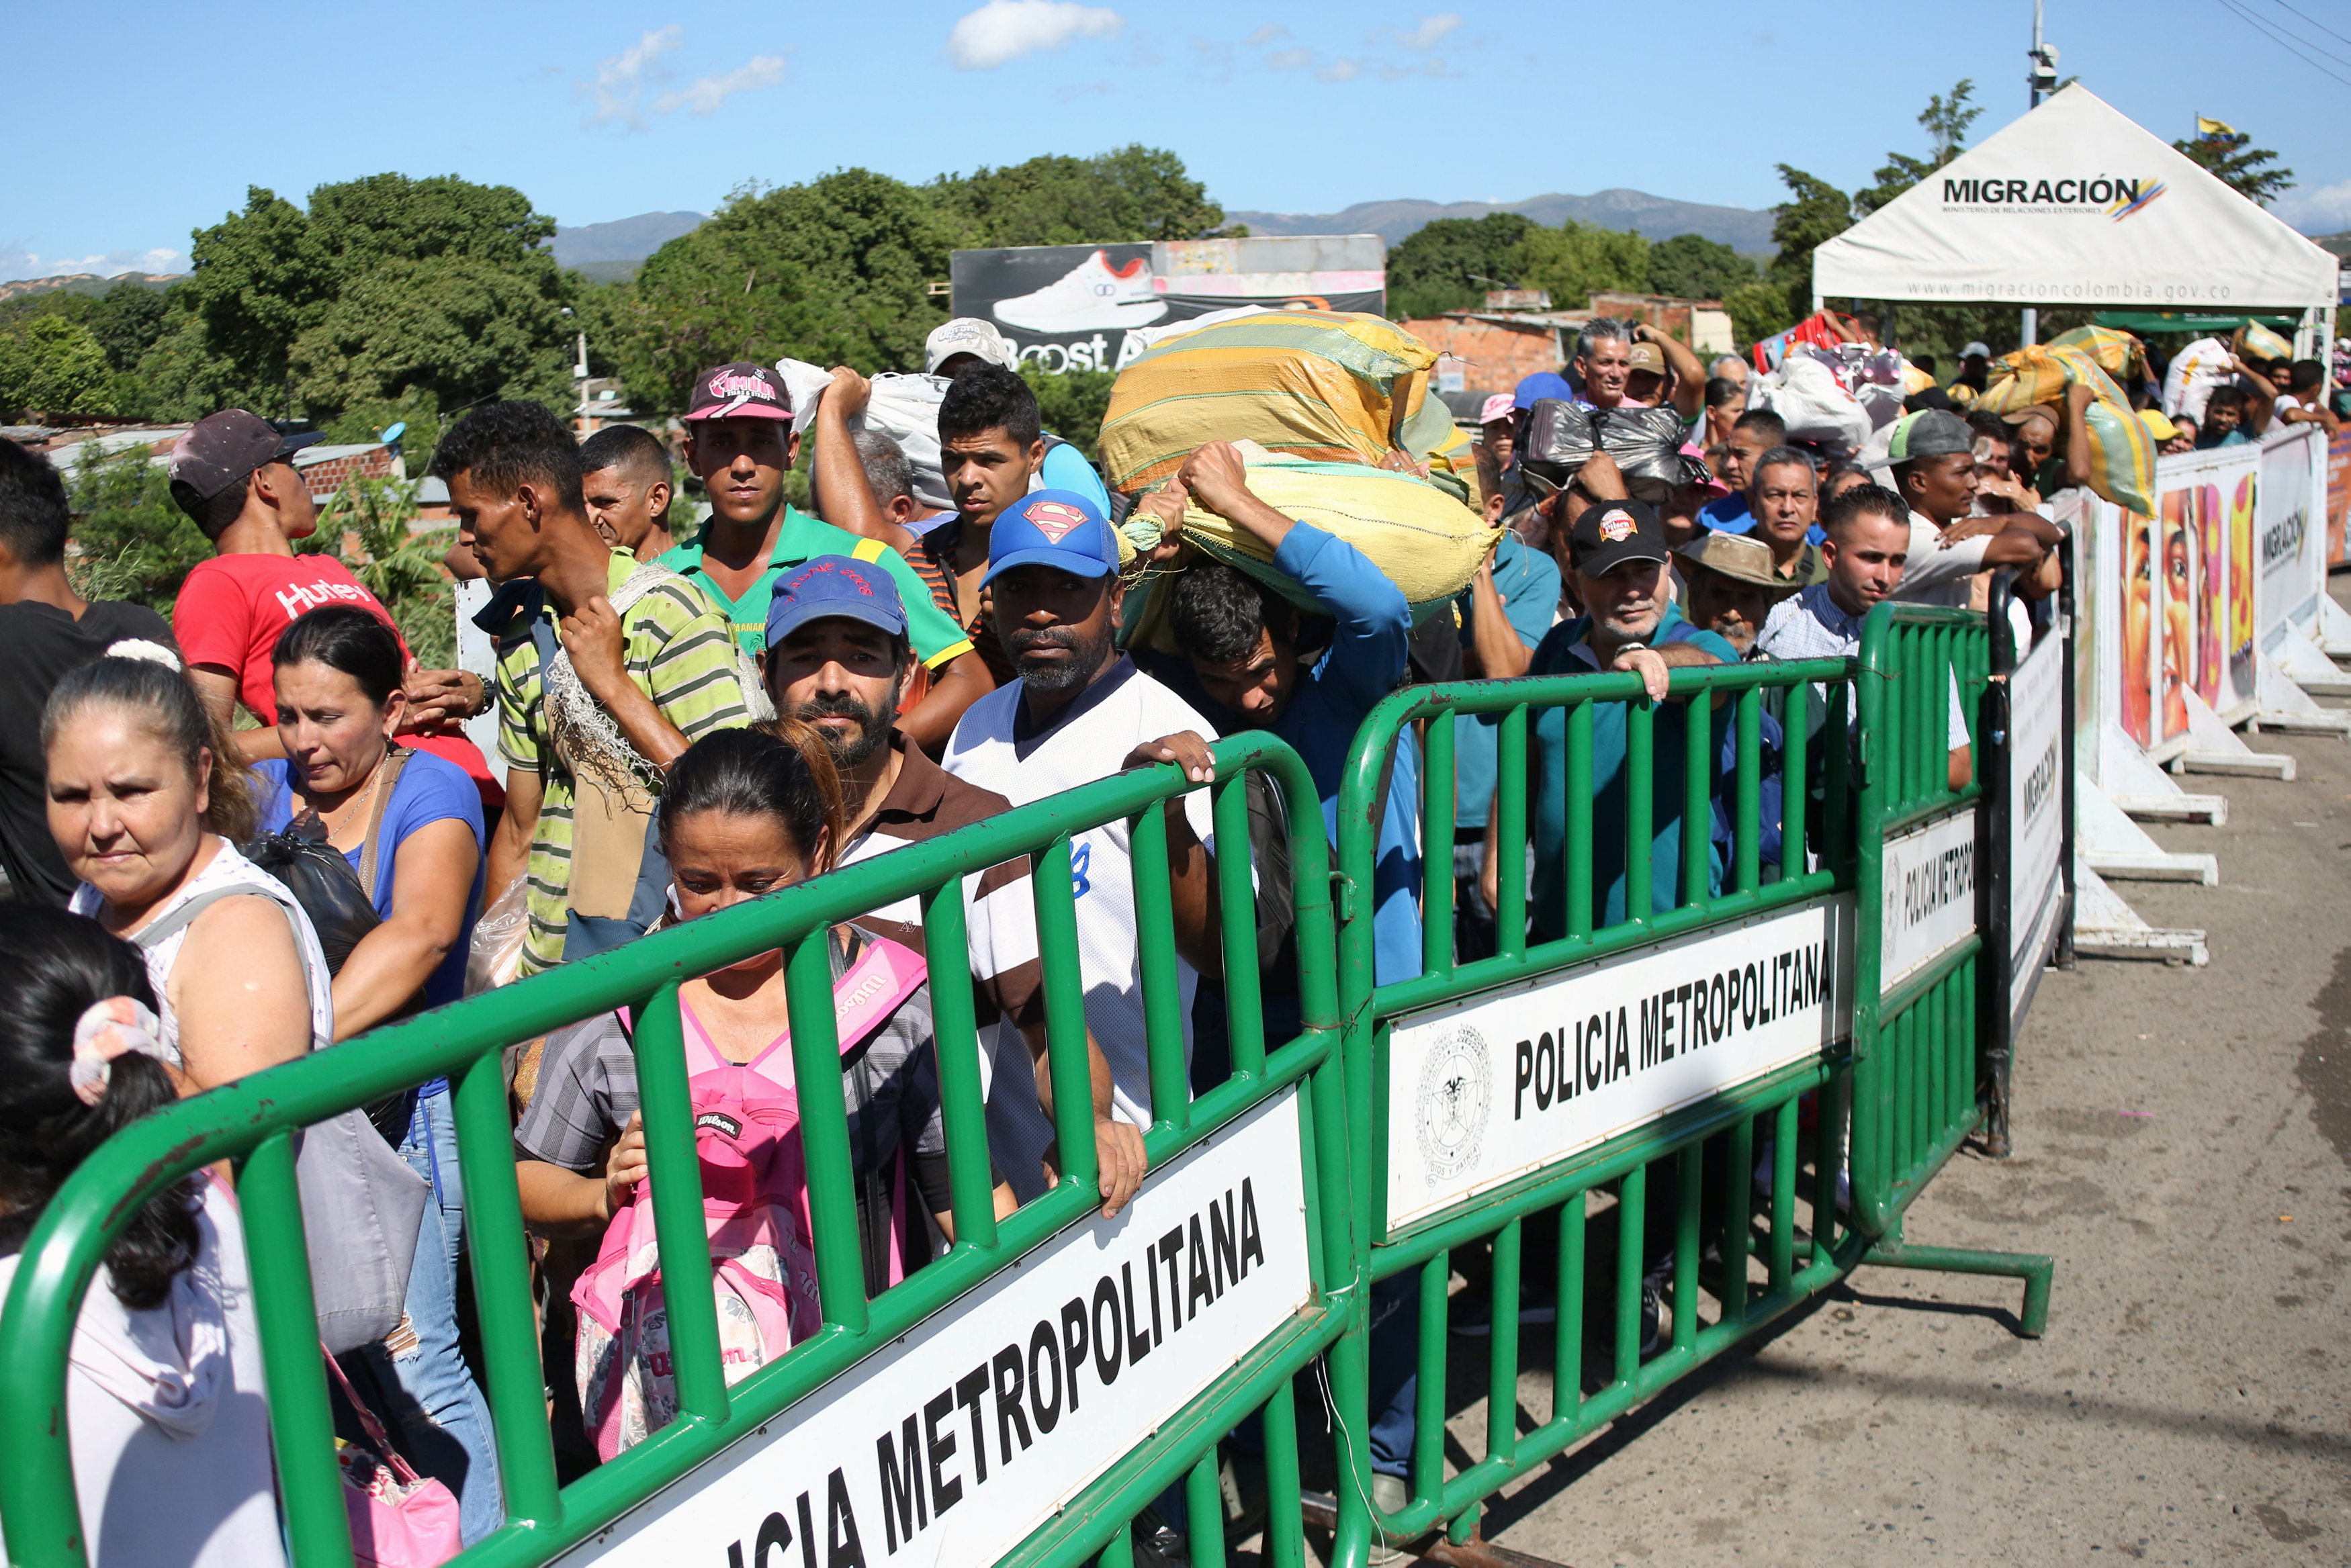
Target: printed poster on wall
x,y
2291,575
2188,595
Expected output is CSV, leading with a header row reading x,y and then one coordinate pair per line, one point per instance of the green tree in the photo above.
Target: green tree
x,y
53,365
1758,310
2240,165
1576,258
131,540
128,320
1133,193
1449,265
1691,266
833,272
1814,213
1946,121
1072,403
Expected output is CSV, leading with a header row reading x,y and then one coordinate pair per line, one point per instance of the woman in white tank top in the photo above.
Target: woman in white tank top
x,y
144,815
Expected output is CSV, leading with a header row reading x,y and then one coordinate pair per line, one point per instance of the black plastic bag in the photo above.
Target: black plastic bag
x,y
1559,437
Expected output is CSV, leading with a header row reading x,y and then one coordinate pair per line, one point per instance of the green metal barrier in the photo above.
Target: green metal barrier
x,y
721,1428
1922,1015
1693,1163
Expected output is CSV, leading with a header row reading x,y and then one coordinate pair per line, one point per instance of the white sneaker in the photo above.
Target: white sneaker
x,y
1389,1495
1091,294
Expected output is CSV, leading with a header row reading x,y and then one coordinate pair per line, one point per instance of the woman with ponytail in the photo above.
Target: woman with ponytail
x,y
164,1401
743,814
147,802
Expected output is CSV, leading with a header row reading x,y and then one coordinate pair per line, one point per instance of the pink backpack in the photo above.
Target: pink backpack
x,y
755,1207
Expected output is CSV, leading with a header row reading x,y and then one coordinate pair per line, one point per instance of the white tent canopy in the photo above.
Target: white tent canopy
x,y
2076,204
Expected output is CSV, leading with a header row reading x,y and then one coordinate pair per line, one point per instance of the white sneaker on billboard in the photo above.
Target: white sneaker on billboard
x,y
1091,294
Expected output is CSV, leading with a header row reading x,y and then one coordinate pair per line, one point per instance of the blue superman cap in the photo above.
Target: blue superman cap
x,y
1056,528
826,586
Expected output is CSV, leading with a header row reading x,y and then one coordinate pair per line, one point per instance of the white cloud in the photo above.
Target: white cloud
x,y
1005,30
1339,71
1290,59
1271,33
1430,30
705,96
620,79
2324,211
16,263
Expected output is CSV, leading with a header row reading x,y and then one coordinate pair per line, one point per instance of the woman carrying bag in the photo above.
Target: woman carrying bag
x,y
409,827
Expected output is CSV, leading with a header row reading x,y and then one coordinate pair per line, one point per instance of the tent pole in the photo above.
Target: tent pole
x,y
2027,327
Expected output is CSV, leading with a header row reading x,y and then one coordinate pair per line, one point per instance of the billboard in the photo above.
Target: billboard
x,y
1082,307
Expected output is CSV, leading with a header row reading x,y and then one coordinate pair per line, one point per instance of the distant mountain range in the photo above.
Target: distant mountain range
x,y
623,239
1658,217
87,282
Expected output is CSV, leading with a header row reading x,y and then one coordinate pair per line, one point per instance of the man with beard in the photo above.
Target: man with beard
x,y
838,659
1078,711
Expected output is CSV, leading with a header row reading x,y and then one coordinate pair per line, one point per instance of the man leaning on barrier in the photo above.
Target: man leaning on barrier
x,y
838,659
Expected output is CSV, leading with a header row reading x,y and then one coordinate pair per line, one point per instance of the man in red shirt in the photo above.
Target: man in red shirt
x,y
232,473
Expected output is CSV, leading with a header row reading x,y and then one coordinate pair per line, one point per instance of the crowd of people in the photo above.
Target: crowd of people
x,y
690,720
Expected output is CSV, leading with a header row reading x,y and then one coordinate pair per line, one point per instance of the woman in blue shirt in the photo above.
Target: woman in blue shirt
x,y
339,703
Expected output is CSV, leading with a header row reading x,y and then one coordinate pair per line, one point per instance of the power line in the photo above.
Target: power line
x,y
2330,54
2282,42
2315,23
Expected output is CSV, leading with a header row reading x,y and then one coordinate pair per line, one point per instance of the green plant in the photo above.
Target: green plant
x,y
366,526
2240,165
130,540
1072,403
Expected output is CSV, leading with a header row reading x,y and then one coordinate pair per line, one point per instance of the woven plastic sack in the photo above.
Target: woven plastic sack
x,y
2115,351
905,408
2194,371
1426,543
2040,374
1333,387
2261,343
2122,457
1805,392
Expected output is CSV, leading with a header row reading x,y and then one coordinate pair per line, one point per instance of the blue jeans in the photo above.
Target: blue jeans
x,y
1395,1371
443,1420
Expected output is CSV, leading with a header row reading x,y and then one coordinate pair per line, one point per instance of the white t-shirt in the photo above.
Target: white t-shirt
x,y
1936,576
1088,741
168,1416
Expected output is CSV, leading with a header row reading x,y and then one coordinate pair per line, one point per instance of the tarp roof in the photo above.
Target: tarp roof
x,y
2075,203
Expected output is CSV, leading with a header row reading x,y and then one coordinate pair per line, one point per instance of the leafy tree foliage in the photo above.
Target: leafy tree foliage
x,y
1072,403
1691,266
126,320
2240,165
1133,193
1814,213
131,541
1576,258
1449,265
1946,121
51,364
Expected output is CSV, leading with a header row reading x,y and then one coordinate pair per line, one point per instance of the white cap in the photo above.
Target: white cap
x,y
968,335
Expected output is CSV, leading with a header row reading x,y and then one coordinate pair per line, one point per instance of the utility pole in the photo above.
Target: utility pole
x,y
2043,78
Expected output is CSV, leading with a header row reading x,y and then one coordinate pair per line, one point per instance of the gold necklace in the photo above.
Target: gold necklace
x,y
350,807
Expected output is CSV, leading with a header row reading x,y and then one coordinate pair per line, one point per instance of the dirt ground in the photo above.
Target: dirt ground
x,y
2183,1149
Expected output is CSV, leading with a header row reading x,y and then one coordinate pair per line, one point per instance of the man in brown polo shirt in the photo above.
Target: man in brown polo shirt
x,y
837,656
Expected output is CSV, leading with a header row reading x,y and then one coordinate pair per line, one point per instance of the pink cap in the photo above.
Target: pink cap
x,y
1498,407
1715,488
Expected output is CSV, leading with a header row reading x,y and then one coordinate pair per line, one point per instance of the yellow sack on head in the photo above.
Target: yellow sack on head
x,y
2114,351
1426,541
2258,342
1335,387
2122,457
2040,374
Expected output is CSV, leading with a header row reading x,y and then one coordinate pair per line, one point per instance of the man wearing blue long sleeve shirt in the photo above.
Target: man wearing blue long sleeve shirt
x,y
1242,640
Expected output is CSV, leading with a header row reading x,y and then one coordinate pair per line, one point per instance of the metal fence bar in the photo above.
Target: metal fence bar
x,y
962,1106
300,1427
1155,955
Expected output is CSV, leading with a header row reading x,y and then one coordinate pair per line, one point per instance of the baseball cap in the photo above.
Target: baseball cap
x,y
1930,432
1979,351
1056,528
2158,425
1736,556
1645,357
223,450
826,586
1611,532
1498,407
1715,488
1540,385
968,335
740,390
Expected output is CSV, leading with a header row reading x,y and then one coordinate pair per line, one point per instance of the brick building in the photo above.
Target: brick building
x,y
1496,349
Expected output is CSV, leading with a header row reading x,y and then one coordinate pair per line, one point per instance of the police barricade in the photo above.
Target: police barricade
x,y
1923,989
2027,778
1020,1399
1616,1099
1653,1100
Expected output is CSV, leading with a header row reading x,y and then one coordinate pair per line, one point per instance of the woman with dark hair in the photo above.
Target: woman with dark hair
x,y
743,814
410,824
147,802
164,1401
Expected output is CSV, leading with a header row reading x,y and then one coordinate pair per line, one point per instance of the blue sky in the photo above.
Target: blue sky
x,y
156,122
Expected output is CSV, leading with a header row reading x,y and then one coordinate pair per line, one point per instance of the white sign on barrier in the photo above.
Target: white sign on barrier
x,y
1930,892
2292,545
2036,799
959,1441
1490,1087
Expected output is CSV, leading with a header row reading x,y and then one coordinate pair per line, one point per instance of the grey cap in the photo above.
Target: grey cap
x,y
1929,433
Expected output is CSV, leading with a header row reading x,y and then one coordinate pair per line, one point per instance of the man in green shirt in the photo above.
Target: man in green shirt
x,y
740,442
607,675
